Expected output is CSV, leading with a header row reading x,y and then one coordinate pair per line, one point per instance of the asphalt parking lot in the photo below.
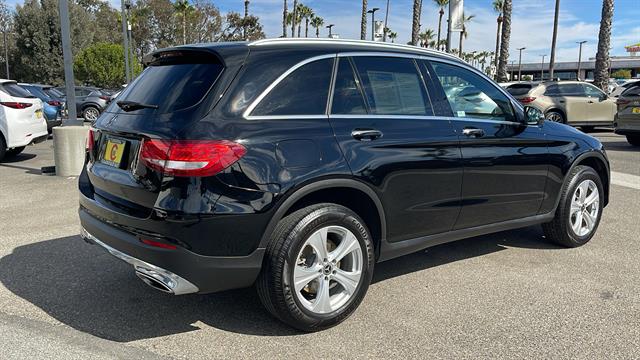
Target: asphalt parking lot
x,y
507,295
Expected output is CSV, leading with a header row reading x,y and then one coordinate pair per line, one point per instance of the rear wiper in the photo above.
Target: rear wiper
x,y
134,105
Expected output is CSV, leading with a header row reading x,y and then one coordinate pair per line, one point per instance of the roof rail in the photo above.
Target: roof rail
x,y
350,42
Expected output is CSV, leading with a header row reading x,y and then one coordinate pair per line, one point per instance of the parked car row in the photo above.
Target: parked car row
x,y
582,104
90,101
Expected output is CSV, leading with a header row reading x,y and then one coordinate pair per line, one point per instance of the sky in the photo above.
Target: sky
x,y
532,23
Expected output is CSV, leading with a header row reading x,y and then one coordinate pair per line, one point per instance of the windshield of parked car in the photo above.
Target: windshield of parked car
x,y
54,92
519,89
15,90
632,91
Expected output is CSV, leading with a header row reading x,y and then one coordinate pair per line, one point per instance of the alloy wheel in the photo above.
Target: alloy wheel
x,y
328,269
585,205
91,114
554,117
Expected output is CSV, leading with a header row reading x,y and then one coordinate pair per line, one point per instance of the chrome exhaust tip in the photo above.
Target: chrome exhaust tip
x,y
154,283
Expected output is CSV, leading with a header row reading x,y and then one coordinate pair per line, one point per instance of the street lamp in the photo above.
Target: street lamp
x,y
520,64
329,27
386,19
373,22
126,42
580,58
542,68
513,62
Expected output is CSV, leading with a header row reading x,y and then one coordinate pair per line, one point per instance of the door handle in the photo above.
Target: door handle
x,y
366,134
473,132
590,101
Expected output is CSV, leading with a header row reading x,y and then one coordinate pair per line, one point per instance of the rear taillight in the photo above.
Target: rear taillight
x,y
16,105
104,97
91,140
190,157
527,100
54,103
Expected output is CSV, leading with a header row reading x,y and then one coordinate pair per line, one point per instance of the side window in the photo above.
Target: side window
x,y
592,91
347,96
393,86
304,92
471,96
552,90
571,90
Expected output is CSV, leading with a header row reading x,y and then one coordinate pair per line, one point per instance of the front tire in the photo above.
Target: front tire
x,y
579,211
555,116
91,113
15,151
633,140
317,267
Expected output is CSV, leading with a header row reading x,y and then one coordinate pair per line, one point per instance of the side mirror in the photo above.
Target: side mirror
x,y
533,116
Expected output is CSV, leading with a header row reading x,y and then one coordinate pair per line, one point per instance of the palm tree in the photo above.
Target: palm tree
x,y
552,58
363,21
284,20
393,36
497,7
426,37
415,29
504,41
463,34
182,7
306,13
601,79
293,17
317,23
442,4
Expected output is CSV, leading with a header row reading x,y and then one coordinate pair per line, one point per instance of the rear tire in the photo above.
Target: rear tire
x,y
579,211
633,140
3,148
555,116
15,151
91,113
296,269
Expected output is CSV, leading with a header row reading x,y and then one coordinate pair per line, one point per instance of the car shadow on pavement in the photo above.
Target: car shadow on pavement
x,y
87,289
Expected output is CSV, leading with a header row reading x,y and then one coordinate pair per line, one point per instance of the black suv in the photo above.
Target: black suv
x,y
296,165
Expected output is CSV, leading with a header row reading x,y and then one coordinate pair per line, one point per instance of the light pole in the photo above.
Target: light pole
x,y
330,26
126,42
386,19
513,62
542,68
580,58
373,22
520,64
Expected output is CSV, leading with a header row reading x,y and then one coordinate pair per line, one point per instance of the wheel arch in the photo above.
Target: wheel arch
x,y
350,193
598,162
557,109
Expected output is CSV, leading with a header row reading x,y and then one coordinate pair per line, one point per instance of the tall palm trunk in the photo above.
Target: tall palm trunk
x,y
439,27
415,29
504,41
293,18
284,20
318,32
601,79
184,27
552,58
363,21
462,33
306,27
498,31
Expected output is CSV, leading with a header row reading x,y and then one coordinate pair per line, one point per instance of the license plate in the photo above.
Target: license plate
x,y
38,114
113,152
635,110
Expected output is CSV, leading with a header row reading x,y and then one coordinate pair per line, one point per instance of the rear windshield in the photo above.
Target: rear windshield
x,y
632,91
519,89
15,90
54,93
174,84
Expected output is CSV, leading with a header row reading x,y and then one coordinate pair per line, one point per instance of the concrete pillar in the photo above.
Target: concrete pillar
x,y
69,143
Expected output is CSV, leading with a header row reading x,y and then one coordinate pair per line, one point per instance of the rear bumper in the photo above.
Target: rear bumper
x,y
190,272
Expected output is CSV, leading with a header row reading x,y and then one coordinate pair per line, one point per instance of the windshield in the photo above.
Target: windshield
x,y
173,85
14,89
519,89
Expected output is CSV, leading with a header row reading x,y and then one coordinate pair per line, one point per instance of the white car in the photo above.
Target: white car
x,y
21,119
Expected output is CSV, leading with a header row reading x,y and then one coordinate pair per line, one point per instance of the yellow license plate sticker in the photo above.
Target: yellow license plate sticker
x,y
113,152
38,114
636,110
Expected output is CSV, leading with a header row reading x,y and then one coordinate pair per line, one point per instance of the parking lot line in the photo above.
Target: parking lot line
x,y
627,180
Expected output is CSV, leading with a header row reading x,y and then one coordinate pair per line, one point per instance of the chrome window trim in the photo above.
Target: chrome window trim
x,y
435,56
256,102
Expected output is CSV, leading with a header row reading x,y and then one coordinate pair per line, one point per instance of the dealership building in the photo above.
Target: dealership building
x,y
569,70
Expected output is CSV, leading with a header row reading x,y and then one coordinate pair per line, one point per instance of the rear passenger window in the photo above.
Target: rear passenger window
x,y
393,86
471,96
304,92
571,90
347,96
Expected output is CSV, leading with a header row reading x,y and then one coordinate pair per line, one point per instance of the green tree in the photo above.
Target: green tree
x,y
393,36
621,74
601,79
426,38
441,4
464,33
317,23
101,65
235,25
183,8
